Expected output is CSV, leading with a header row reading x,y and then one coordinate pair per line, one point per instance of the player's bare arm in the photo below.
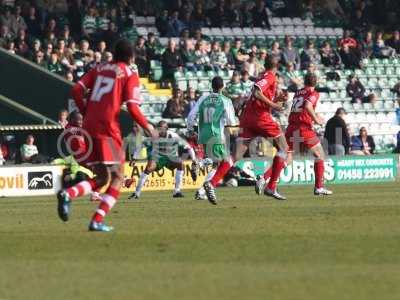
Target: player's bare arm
x,y
311,111
260,96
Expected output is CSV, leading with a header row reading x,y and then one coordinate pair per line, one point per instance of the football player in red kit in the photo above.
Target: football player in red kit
x,y
107,87
300,129
300,133
256,121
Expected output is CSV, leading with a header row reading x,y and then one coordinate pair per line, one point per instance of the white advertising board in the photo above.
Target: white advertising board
x,y
25,180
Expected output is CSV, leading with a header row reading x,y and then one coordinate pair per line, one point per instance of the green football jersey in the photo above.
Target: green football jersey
x,y
235,89
170,146
213,111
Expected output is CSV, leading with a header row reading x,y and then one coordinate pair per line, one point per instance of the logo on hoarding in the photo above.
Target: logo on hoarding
x,y
40,180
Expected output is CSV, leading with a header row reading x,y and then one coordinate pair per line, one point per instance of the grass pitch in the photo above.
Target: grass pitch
x,y
248,247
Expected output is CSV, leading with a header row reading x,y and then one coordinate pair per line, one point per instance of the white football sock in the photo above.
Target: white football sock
x,y
142,181
178,180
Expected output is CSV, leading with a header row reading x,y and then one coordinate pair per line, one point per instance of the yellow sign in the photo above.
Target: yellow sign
x,y
163,179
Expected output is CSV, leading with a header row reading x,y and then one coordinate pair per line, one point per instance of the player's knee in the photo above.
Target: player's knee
x,y
319,153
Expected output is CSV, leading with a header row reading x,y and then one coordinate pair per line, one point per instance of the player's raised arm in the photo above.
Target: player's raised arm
x,y
81,88
133,100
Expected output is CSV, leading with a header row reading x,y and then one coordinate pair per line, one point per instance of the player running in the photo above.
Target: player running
x,y
107,87
256,121
300,129
213,112
165,152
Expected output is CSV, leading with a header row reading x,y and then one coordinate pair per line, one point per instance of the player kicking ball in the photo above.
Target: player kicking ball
x,y
213,112
165,152
300,133
107,87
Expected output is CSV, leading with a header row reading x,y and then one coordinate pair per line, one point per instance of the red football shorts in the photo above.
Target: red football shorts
x,y
107,151
267,128
298,137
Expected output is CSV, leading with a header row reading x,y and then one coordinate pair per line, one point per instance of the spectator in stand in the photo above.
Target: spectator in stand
x,y
189,56
36,46
67,60
380,50
54,66
39,59
367,45
6,20
363,144
66,35
291,80
329,56
337,135
29,151
108,57
260,16
234,90
17,21
103,20
69,76
290,54
218,58
51,27
348,40
175,106
141,56
229,56
175,26
371,99
261,61
202,58
5,36
239,55
63,118
89,23
309,55
111,35
190,101
152,47
394,41
355,90
276,52
171,61
247,84
199,19
11,47
34,26
349,58
162,24
251,67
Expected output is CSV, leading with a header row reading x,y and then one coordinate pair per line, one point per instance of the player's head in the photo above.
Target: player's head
x,y
124,51
269,64
162,128
217,84
75,118
310,80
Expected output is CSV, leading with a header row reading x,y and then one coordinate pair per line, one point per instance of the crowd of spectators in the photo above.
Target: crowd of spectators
x,y
70,37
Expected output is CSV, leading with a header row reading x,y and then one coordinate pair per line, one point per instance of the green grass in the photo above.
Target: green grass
x,y
248,247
